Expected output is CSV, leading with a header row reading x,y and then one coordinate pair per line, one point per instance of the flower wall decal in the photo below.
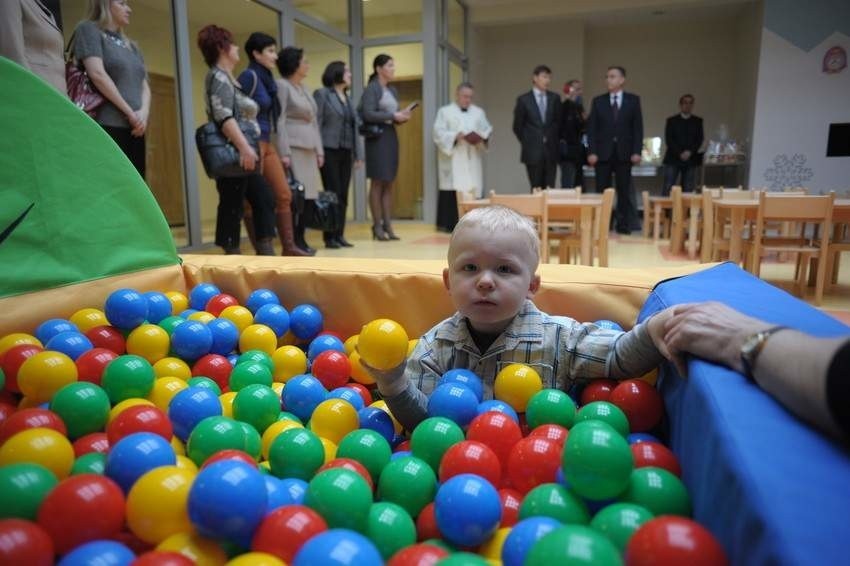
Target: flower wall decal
x,y
788,172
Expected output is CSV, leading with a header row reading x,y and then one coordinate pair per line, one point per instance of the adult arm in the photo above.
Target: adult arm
x,y
282,139
445,137
592,131
144,112
369,106
637,130
519,118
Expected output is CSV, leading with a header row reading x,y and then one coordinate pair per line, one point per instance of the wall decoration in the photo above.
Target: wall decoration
x,y
834,60
788,172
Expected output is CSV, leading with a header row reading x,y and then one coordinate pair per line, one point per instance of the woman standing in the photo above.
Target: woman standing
x,y
379,111
225,104
258,82
298,140
339,138
115,66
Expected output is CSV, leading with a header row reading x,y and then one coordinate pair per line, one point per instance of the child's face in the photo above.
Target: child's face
x,y
489,277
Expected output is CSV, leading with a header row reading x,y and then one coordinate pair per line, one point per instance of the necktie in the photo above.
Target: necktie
x,y
541,104
615,108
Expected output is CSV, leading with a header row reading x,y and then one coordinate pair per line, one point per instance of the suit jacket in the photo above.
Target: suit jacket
x,y
571,130
30,37
538,138
334,118
602,131
368,108
297,126
681,135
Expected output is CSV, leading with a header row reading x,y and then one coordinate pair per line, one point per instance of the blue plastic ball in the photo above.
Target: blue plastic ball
x,y
134,455
191,340
200,295
50,328
260,297
522,537
302,395
324,343
276,493
467,509
233,359
338,547
99,553
72,344
455,402
126,309
498,406
608,325
400,454
159,306
305,322
348,394
636,437
275,317
375,419
228,499
191,406
295,490
187,313
225,336
464,377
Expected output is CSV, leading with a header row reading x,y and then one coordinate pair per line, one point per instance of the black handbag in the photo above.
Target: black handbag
x,y
297,188
322,213
219,156
370,131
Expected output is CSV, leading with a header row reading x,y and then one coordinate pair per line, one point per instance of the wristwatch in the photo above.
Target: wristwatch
x,y
752,347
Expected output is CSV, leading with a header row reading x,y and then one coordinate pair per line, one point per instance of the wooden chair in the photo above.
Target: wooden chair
x,y
803,209
570,245
564,193
840,243
678,220
466,201
712,241
534,206
653,216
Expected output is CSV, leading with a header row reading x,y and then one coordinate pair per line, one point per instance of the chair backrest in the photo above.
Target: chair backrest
x,y
800,208
737,194
564,193
535,206
462,197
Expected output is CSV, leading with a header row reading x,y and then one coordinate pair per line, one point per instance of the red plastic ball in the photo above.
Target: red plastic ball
x,y
107,337
534,461
139,418
363,391
220,302
215,367
403,446
421,554
640,402
597,390
349,464
162,558
285,530
94,442
230,454
12,361
553,432
426,524
24,543
511,502
6,410
497,430
471,457
674,540
81,509
653,454
332,368
92,363
31,418
131,541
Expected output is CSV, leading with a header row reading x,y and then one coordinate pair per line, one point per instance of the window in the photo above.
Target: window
x,y
456,36
331,12
319,50
382,18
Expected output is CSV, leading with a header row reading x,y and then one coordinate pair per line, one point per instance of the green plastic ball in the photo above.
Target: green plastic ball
x,y
253,441
390,527
409,482
256,356
550,406
206,383
250,373
22,488
257,405
659,491
462,559
556,501
126,377
367,447
296,453
212,435
619,521
83,407
169,323
342,497
575,545
606,412
432,437
597,461
91,463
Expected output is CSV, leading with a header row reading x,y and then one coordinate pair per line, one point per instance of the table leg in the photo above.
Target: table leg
x,y
586,227
736,234
693,228
656,223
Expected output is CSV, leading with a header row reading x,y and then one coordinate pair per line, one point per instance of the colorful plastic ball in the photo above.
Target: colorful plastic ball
x,y
573,544
550,406
238,315
96,442
126,377
383,344
82,406
212,435
553,432
92,363
305,322
134,455
338,547
161,558
140,418
674,540
219,302
179,301
657,490
641,403
608,325
637,437
358,373
191,340
272,432
126,308
296,453
215,367
99,552
619,521
164,389
364,393
225,336
342,497
464,377
172,367
200,295
31,418
42,446
17,339
261,297
228,500
654,454
455,402
606,412
511,501
203,551
333,419
498,406
201,316
249,373
45,373
468,510
409,482
289,361
72,344
516,384
157,504
422,554
257,405
351,395
258,337
367,447
81,509
121,406
433,437
12,360
159,306
498,431
390,528
597,461
169,323
332,368
324,343
555,501
426,524
294,489
275,317
50,328
23,486
92,463
302,395
285,530
471,457
597,390
108,338
523,537
24,543
257,357
375,419
232,454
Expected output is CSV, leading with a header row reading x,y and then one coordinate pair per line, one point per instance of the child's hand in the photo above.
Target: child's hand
x,y
656,326
390,382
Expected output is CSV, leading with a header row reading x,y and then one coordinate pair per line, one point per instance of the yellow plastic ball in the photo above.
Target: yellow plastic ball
x,y
201,550
227,403
45,373
383,344
172,367
256,559
27,403
16,339
411,345
492,549
149,341
42,446
277,387
350,345
289,361
258,337
186,463
651,377
516,384
163,391
334,418
273,431
126,404
238,315
156,504
330,449
381,404
86,319
178,446
179,302
358,372
202,316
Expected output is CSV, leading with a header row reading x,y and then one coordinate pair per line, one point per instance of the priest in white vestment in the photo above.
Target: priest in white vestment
x,y
461,132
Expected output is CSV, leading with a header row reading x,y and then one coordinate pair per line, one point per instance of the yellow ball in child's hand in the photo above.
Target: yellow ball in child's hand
x,y
383,344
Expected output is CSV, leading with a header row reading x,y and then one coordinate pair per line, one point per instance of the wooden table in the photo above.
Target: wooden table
x,y
691,201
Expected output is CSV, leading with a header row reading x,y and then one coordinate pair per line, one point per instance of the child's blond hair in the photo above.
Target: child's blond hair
x,y
501,219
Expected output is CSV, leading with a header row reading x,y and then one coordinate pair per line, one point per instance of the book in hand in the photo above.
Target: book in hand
x,y
473,138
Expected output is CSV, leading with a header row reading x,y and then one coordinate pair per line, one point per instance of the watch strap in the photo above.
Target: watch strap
x,y
749,357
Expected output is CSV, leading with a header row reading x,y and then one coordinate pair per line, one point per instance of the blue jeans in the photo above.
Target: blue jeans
x,y
672,173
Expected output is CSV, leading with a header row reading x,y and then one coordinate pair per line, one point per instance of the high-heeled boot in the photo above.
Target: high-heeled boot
x,y
298,230
379,234
287,239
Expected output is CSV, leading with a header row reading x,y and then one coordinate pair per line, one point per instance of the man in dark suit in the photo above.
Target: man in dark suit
x,y
537,116
615,140
683,136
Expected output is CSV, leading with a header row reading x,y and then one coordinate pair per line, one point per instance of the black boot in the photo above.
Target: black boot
x,y
299,238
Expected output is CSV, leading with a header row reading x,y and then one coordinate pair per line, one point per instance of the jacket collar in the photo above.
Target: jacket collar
x,y
526,327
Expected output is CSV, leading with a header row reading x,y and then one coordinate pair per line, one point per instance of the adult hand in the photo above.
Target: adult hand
x,y
459,136
685,155
286,160
134,119
141,124
402,116
635,158
320,160
248,158
592,159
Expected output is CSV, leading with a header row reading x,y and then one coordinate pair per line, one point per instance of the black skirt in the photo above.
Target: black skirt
x,y
382,155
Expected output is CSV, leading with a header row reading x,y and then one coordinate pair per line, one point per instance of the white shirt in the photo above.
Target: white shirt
x,y
618,98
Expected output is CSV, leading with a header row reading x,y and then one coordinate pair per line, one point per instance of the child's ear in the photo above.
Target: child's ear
x,y
446,279
534,286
